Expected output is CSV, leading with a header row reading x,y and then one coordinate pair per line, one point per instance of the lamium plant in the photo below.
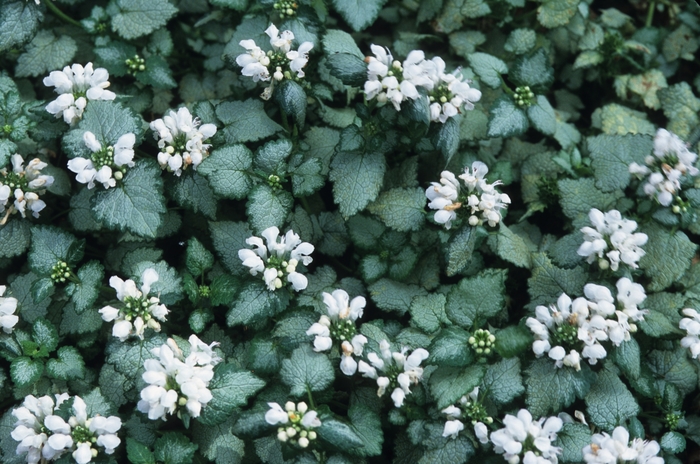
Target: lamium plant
x,y
343,231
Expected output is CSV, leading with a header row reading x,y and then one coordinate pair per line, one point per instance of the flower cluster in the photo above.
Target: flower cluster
x,y
180,139
339,326
175,381
484,201
399,371
665,169
8,306
613,233
139,311
107,164
617,448
471,409
523,439
393,81
46,436
296,423
561,330
282,60
281,262
76,85
24,185
691,325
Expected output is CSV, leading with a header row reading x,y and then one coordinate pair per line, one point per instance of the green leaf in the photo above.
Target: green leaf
x,y
554,13
267,207
368,427
21,290
245,121
229,237
306,175
572,438
587,59
542,116
68,366
113,56
358,13
548,282
428,312
14,238
230,389
488,68
610,403
306,371
506,119
24,371
334,234
292,100
449,384
446,139
460,249
84,294
138,453
674,367
45,335
137,204
81,215
681,107
611,156
513,341
520,41
680,43
218,442
50,245
168,287
174,448
45,53
357,179
480,297
551,389
228,171
390,295
337,41
198,259
348,67
400,209
41,289
18,23
513,247
239,5
627,358
338,434
503,381
450,347
128,357
533,70
663,244
157,73
194,192
254,303
141,17
453,450
579,196
673,442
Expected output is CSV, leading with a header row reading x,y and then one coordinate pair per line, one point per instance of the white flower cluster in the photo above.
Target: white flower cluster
x,y
691,325
339,326
671,161
526,440
393,81
23,185
561,330
613,233
45,436
279,63
617,449
297,422
175,381
139,311
180,139
282,261
8,306
76,85
107,164
399,371
471,409
481,197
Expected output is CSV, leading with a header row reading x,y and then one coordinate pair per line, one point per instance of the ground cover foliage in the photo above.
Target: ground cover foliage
x,y
349,231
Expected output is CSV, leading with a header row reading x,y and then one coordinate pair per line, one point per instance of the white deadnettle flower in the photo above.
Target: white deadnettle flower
x,y
480,196
617,448
279,63
449,92
339,326
277,260
399,371
389,80
526,440
139,311
107,164
38,431
8,306
691,325
613,233
296,423
670,163
471,409
90,431
22,186
175,381
76,85
180,139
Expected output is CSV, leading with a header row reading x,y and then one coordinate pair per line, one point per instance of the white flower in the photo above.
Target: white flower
x,y
23,185
443,197
296,422
691,325
139,311
180,139
452,428
8,306
277,259
76,85
449,93
389,80
613,233
523,438
607,449
87,432
107,164
32,432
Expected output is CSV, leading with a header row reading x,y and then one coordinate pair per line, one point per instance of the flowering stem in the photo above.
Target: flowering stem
x,y
650,14
61,14
311,398
505,87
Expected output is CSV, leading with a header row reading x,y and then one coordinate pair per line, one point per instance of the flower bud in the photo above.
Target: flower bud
x,y
290,406
303,442
302,407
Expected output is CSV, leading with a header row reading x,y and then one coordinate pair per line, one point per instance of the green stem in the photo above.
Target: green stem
x,y
285,123
339,264
505,87
650,14
61,14
311,398
305,204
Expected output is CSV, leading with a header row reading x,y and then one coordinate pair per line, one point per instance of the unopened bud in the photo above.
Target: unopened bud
x,y
303,442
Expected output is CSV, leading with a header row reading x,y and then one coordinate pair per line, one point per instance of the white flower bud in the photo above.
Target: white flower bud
x,y
302,407
303,442
290,406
